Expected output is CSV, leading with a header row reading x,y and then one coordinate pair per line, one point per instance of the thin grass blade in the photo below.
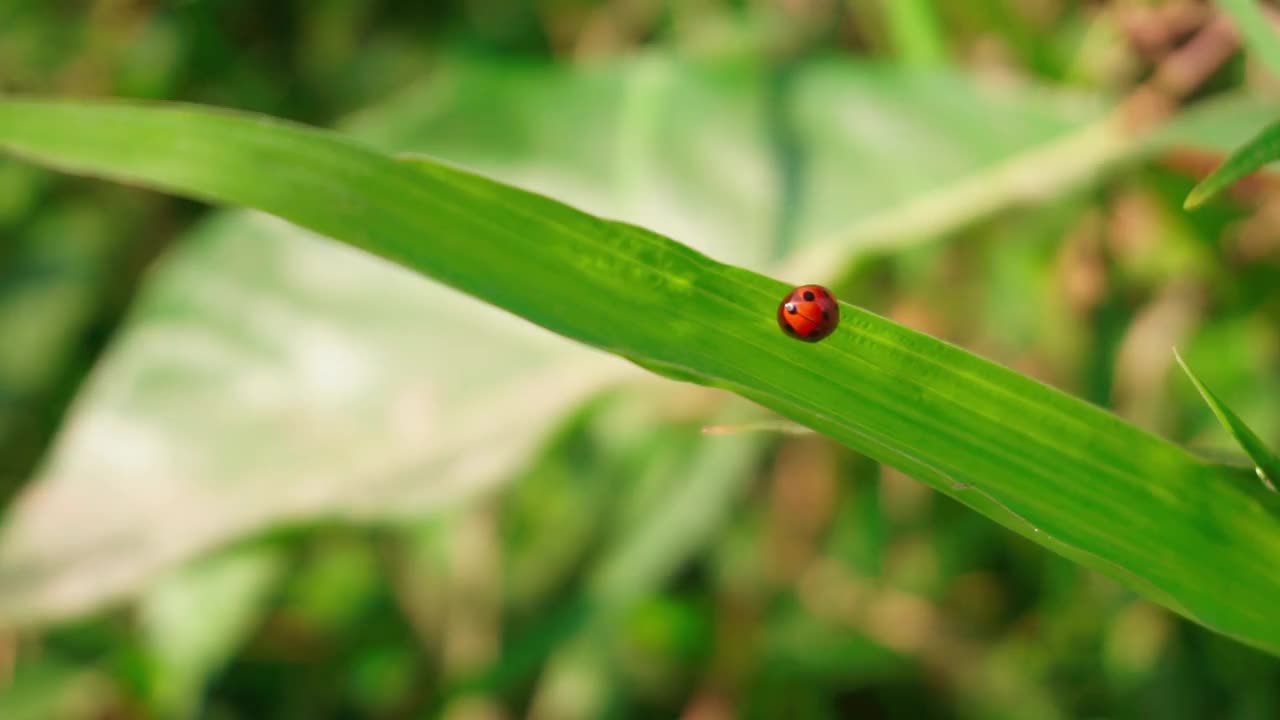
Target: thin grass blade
x,y
1266,462
1262,150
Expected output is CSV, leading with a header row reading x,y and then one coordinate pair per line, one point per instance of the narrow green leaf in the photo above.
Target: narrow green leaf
x,y
1058,470
1263,149
1255,27
1266,463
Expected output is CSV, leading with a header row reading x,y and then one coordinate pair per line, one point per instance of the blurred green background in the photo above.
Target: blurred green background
x,y
248,473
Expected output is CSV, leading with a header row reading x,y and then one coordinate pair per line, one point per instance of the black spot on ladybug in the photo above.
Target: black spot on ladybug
x,y
814,332
808,295
790,330
826,315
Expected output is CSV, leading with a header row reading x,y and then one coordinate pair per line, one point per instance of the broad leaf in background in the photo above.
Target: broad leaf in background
x,y
879,172
1010,145
681,149
269,377
1220,123
684,150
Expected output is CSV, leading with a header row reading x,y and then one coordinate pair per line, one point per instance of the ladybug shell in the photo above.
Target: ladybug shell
x,y
809,313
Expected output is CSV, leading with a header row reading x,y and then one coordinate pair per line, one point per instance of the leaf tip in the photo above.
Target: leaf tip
x,y
1266,480
1209,398
1265,462
1183,364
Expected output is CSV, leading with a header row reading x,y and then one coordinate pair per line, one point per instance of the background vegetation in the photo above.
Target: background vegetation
x,y
353,493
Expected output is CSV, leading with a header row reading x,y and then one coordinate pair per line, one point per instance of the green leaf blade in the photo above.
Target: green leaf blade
x,y
1262,150
1052,467
1266,461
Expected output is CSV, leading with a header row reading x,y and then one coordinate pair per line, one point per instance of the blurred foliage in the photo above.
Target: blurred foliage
x,y
633,566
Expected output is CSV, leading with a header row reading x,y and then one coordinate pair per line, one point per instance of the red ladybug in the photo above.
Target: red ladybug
x,y
809,313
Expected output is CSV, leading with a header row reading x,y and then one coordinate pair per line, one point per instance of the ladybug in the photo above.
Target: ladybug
x,y
809,313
